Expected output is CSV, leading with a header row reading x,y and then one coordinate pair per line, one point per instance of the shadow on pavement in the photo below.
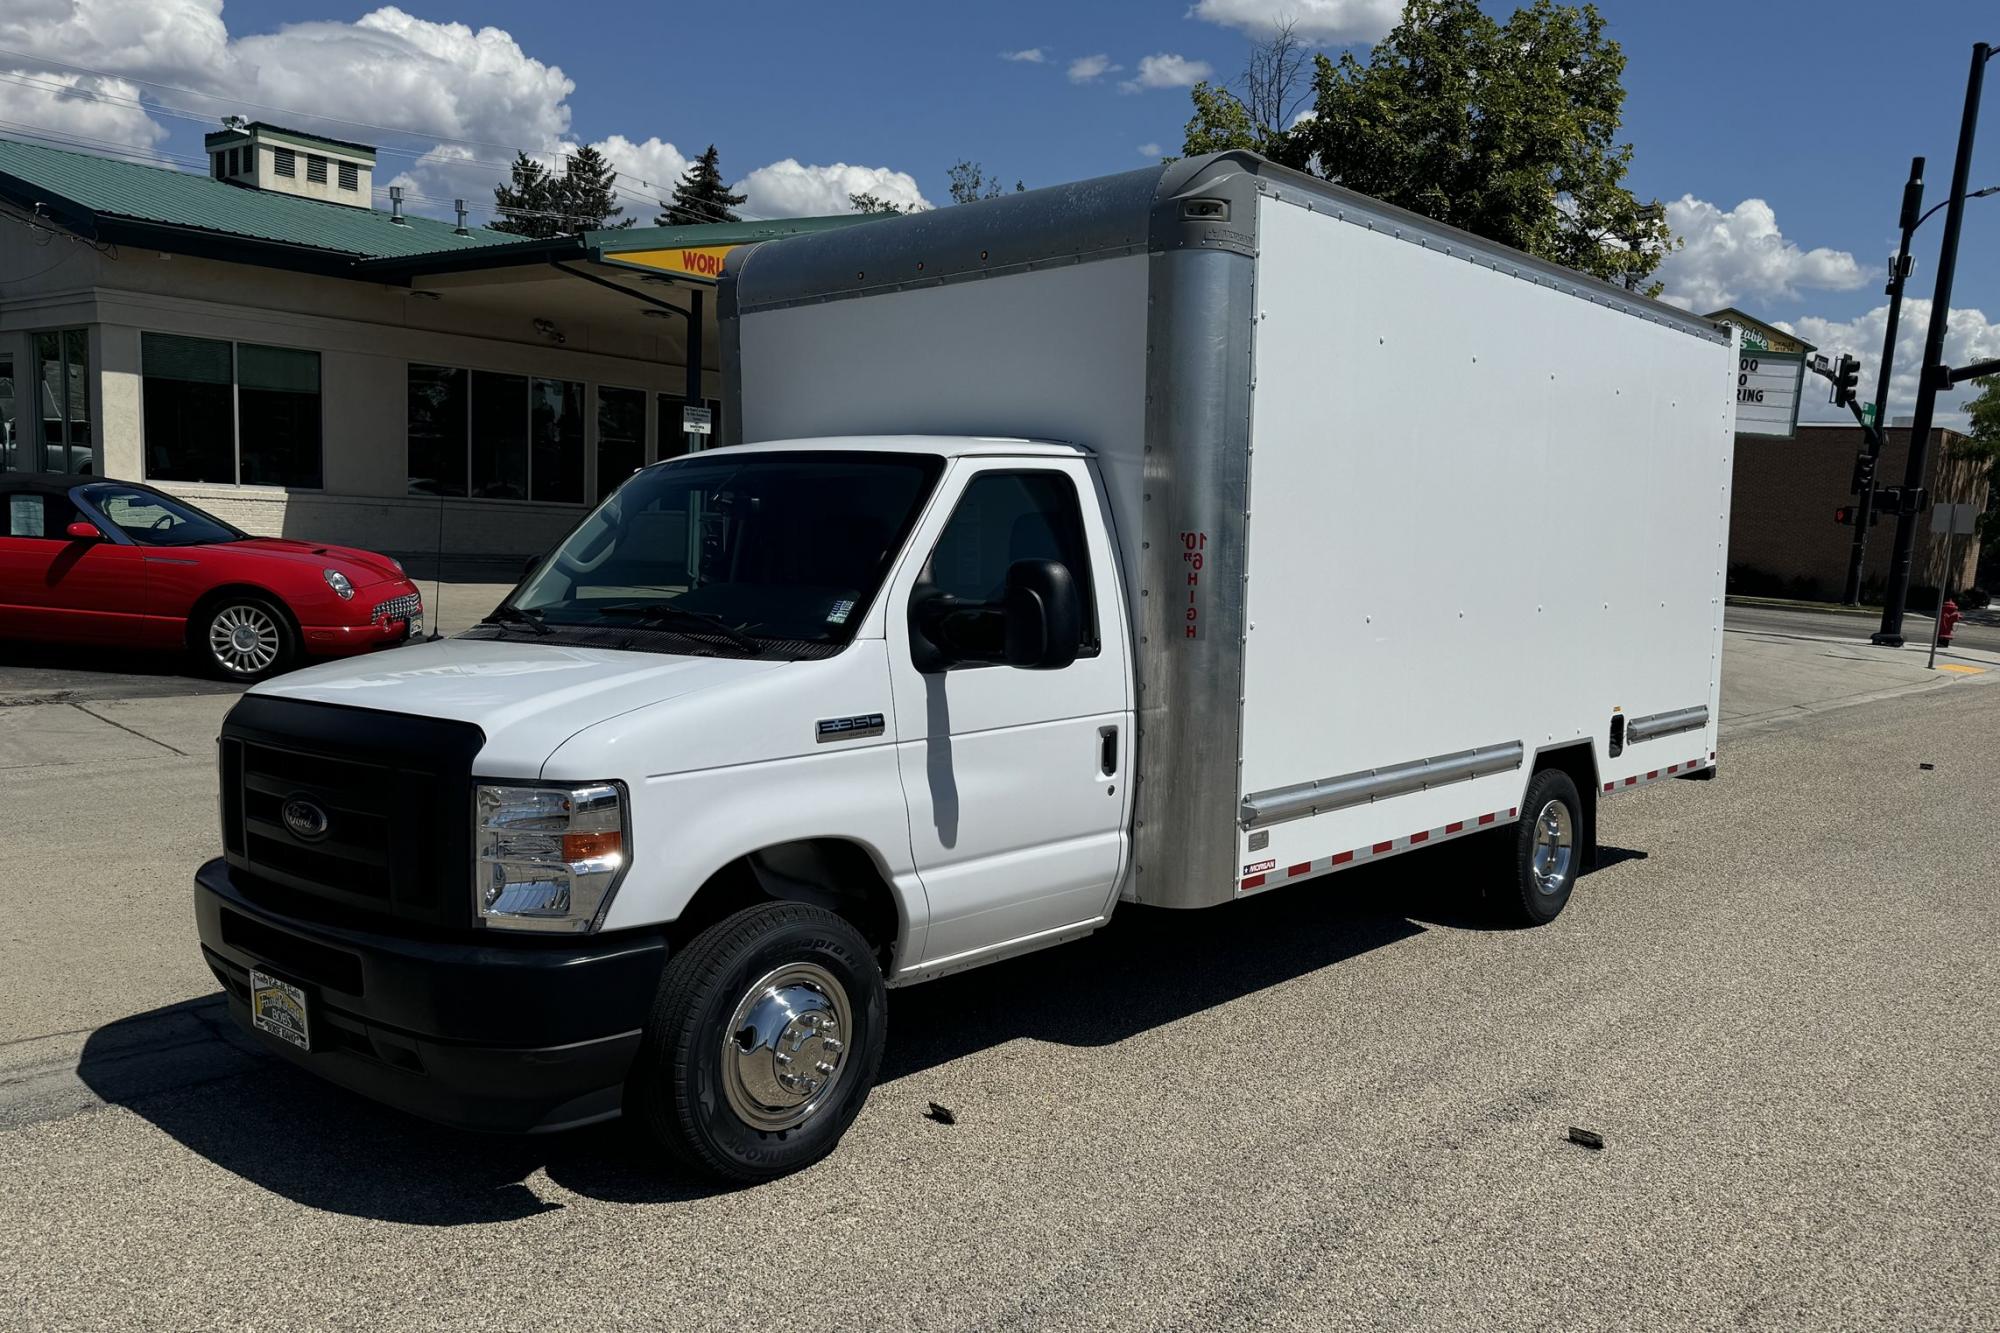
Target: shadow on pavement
x,y
83,673
189,1071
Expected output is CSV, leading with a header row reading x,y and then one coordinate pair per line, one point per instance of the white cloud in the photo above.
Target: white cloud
x,y
1167,71
1969,337
1033,55
80,105
1151,150
787,189
440,81
1730,256
1089,69
1319,21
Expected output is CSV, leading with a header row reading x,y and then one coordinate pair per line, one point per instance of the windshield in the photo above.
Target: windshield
x,y
151,519
760,546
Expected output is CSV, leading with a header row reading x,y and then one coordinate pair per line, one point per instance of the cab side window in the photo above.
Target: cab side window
x,y
1008,516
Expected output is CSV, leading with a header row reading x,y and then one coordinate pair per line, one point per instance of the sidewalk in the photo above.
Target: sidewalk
x,y
1769,677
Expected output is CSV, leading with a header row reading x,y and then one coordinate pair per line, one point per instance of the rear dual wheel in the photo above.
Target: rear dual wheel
x,y
1546,852
763,1043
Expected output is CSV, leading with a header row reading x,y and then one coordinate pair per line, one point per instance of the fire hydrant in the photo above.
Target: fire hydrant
x,y
1948,618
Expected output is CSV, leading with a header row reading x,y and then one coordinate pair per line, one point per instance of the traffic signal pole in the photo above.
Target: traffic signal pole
x,y
1898,592
1899,274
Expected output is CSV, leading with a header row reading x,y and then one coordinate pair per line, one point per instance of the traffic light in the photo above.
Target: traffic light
x,y
1846,375
1844,516
1863,479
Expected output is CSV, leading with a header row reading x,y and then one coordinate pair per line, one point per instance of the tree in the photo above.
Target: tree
x,y
587,194
1276,88
874,203
969,182
1504,129
700,196
527,203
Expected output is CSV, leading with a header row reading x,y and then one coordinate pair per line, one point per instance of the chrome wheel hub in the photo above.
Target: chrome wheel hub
x,y
1555,847
244,639
786,1047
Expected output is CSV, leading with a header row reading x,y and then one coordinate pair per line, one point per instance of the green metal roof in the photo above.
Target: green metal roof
x,y
129,203
95,194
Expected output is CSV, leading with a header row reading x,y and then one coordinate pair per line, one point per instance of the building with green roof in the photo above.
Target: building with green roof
x,y
271,343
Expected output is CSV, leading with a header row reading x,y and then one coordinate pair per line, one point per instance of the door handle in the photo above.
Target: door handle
x,y
1107,750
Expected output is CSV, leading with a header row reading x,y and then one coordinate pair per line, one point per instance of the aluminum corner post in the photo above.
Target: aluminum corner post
x,y
1200,326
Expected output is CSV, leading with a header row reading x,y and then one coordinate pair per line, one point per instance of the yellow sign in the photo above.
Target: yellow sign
x,y
695,261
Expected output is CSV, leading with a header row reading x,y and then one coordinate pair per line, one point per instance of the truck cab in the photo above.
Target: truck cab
x,y
881,681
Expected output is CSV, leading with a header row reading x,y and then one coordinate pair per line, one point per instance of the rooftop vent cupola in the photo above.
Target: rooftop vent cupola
x,y
282,161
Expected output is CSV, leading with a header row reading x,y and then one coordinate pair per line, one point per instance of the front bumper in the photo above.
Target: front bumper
x,y
523,1037
392,626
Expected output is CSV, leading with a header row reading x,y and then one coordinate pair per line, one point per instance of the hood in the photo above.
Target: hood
x,y
527,697
350,560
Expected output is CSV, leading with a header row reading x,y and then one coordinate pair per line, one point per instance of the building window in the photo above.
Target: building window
x,y
285,162
621,436
315,169
230,413
10,444
63,364
350,176
672,441
494,436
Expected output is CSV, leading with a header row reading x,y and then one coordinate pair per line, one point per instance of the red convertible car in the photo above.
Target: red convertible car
x,y
113,562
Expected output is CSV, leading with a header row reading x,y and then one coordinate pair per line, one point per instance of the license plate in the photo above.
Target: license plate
x,y
279,1008
416,626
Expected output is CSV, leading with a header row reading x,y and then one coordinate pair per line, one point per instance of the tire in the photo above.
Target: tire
x,y
244,639
1545,852
773,993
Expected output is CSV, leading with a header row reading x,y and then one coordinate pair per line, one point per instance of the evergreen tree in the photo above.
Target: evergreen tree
x,y
587,194
525,204
700,196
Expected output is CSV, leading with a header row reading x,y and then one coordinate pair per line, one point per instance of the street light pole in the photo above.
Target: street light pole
x,y
1899,273
1897,594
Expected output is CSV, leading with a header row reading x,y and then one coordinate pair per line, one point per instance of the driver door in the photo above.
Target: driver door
x,y
1016,779
54,586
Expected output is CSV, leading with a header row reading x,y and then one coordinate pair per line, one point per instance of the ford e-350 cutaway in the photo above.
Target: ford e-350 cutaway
x,y
1159,539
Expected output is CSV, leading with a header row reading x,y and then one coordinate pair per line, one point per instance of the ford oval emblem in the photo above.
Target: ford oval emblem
x,y
306,820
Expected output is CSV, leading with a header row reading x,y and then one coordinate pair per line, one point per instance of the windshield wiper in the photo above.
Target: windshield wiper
x,y
514,615
666,613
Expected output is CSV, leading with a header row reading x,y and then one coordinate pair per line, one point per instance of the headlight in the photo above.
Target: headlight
x,y
338,582
548,858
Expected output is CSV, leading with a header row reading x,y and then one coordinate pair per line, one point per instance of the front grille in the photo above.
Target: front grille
x,y
382,806
397,608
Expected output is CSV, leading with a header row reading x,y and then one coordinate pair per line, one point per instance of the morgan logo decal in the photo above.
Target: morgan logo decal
x,y
1257,866
854,728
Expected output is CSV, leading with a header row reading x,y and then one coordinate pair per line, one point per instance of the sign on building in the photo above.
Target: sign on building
x,y
697,420
1767,392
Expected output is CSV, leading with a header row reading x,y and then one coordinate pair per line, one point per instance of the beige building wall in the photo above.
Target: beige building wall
x,y
367,335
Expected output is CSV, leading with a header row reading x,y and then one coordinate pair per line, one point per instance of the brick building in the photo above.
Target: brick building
x,y
1783,540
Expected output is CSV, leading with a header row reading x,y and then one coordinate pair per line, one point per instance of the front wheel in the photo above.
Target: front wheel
x,y
763,1043
245,639
1546,852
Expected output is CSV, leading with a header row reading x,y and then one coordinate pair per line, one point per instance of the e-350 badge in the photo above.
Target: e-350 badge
x,y
854,728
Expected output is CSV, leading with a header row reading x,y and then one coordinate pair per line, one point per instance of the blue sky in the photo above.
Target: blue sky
x,y
1817,118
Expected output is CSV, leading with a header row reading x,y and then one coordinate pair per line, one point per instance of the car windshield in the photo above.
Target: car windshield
x,y
756,546
152,519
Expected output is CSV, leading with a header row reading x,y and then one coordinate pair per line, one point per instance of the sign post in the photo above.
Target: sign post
x,y
1951,522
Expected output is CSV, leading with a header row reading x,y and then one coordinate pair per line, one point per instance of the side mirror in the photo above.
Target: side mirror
x,y
1037,623
81,531
1044,615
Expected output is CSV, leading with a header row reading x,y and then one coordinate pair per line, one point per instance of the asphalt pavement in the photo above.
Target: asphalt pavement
x,y
1342,1105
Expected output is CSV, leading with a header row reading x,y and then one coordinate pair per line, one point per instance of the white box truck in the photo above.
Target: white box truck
x,y
1162,539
